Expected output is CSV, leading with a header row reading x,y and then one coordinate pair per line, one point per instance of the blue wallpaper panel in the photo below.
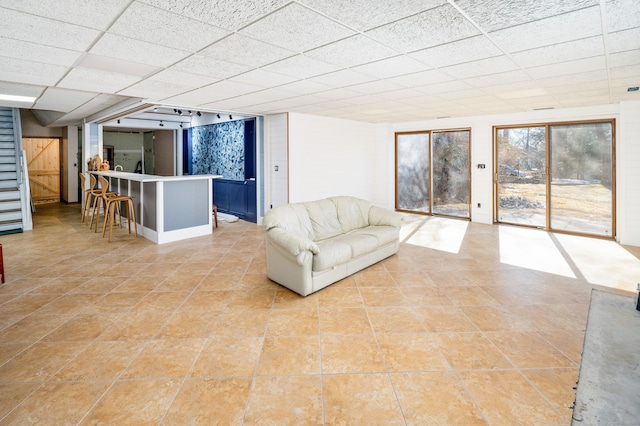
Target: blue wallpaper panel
x,y
218,149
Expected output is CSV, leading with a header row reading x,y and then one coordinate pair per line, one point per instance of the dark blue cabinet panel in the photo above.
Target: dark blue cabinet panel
x,y
236,197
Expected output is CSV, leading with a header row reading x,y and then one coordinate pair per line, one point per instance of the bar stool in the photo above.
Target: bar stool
x,y
113,203
88,195
100,199
215,214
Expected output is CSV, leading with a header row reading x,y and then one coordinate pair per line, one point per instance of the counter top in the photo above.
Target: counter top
x,y
151,178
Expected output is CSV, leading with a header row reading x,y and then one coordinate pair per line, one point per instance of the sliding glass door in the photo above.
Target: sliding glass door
x,y
433,172
557,176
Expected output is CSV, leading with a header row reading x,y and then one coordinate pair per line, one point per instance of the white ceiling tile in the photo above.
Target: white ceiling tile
x,y
10,88
563,52
154,90
500,78
365,14
470,49
582,77
228,14
128,49
173,76
203,65
153,25
421,78
624,40
493,15
246,51
558,29
305,87
622,14
536,102
263,78
441,25
392,67
495,65
376,86
36,52
22,71
301,67
352,51
228,89
342,78
98,103
20,26
567,68
63,100
96,81
296,28
623,59
92,14
628,71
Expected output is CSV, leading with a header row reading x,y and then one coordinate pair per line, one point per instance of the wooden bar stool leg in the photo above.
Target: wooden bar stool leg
x,y
132,206
1,264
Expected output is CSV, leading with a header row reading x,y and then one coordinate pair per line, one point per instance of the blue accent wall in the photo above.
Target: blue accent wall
x,y
218,149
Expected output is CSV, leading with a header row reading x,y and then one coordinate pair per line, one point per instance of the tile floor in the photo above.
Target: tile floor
x,y
194,333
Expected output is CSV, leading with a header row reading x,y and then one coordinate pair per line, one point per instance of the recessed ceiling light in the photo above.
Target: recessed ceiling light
x,y
104,63
16,98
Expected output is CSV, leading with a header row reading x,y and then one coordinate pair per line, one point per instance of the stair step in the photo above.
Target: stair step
x,y
11,227
7,159
10,205
7,167
8,175
9,194
7,144
10,216
8,184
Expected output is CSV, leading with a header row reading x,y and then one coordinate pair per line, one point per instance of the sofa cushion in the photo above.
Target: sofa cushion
x,y
292,218
353,213
323,218
383,234
331,253
360,243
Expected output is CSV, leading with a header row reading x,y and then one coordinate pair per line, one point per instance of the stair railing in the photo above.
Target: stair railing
x,y
22,174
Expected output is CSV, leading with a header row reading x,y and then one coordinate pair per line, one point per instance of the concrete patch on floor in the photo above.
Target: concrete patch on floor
x,y
608,391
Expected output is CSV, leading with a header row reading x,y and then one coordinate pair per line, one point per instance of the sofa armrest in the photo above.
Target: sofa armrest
x,y
292,243
383,217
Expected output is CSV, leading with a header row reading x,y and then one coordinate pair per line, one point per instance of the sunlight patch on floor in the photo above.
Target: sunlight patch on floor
x,y
440,234
602,262
532,249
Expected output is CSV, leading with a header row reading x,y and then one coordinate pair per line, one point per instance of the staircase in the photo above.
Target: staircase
x,y
15,205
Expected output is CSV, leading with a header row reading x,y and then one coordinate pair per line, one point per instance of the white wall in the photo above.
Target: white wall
x,y
329,156
628,173
277,182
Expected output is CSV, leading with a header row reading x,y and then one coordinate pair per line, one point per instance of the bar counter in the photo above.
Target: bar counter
x,y
168,208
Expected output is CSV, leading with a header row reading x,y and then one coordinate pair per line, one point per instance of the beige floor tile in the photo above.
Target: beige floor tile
x,y
179,282
207,300
139,284
426,296
160,302
290,355
350,354
340,297
404,277
165,359
40,361
528,350
344,321
435,398
100,285
252,299
410,352
293,322
470,351
136,326
557,385
31,328
189,325
395,320
374,278
100,361
498,318
383,296
287,299
242,322
58,404
229,356
9,350
27,303
118,302
351,399
219,281
443,319
128,402
62,284
302,393
12,394
468,295
570,343
82,327
493,392
210,401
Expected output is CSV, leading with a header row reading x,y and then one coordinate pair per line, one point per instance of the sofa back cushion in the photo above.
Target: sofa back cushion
x,y
324,219
353,213
293,218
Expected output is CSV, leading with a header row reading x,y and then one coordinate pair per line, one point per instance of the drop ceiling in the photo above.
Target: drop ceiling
x,y
369,60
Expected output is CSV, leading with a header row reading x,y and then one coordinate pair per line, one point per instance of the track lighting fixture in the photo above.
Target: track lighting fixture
x,y
190,113
118,121
198,113
179,112
181,125
161,123
218,115
230,117
175,110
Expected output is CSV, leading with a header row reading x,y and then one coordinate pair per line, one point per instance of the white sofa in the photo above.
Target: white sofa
x,y
314,244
